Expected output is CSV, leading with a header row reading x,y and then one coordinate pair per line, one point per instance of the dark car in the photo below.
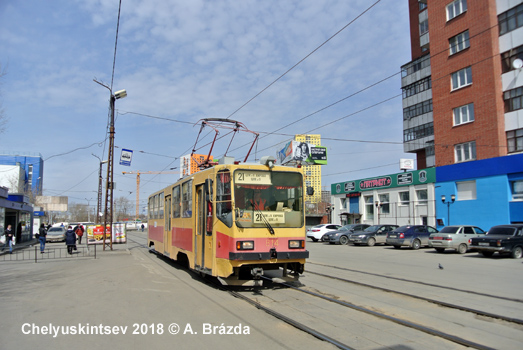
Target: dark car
x,y
414,236
376,234
504,239
341,236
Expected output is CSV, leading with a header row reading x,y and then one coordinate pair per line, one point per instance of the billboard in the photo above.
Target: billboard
x,y
95,233
295,152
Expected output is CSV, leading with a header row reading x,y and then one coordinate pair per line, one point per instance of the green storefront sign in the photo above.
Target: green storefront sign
x,y
417,177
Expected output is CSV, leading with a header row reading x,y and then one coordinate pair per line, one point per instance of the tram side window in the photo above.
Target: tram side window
x,y
187,199
152,202
176,202
161,204
223,197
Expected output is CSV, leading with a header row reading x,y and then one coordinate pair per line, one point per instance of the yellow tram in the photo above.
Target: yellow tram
x,y
233,221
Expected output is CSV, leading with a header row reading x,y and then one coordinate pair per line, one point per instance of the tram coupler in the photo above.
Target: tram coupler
x,y
256,272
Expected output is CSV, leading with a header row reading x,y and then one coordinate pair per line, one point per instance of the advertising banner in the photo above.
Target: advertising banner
x,y
296,152
117,234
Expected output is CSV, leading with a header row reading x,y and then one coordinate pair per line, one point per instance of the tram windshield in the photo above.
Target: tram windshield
x,y
268,198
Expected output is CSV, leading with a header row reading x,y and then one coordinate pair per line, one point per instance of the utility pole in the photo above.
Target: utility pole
x,y
109,184
138,185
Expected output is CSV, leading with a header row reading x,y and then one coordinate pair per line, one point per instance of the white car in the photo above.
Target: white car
x,y
316,232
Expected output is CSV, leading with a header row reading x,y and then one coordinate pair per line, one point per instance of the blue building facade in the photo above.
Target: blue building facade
x,y
32,165
486,192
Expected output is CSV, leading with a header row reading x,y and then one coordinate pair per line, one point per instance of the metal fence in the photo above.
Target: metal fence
x,y
30,254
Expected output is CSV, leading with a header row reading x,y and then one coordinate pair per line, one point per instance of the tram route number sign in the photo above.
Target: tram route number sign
x,y
269,216
252,177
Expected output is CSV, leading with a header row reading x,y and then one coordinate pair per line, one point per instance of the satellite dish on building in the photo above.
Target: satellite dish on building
x,y
517,63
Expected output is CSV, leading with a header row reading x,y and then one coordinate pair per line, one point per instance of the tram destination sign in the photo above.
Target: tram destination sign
x,y
252,177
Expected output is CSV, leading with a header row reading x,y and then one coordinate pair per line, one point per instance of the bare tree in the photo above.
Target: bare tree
x,y
122,207
3,117
78,212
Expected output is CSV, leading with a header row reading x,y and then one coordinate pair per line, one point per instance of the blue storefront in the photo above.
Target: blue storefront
x,y
483,193
16,211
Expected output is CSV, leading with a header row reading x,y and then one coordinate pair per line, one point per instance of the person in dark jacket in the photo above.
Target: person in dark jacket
x,y
8,239
42,233
70,239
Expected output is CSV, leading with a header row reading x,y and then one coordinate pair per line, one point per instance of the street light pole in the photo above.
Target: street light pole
x,y
452,199
108,210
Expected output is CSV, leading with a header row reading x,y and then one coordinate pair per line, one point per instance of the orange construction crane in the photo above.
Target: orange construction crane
x,y
138,184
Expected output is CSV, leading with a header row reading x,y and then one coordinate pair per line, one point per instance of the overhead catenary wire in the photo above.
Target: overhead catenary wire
x,y
303,59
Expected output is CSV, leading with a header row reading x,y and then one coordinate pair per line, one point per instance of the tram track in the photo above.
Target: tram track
x,y
280,316
419,282
329,338
434,301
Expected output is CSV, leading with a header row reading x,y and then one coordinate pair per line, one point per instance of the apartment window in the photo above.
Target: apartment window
x,y
418,132
507,58
424,27
456,8
459,42
513,99
416,65
384,203
510,20
417,87
463,114
422,196
517,190
461,78
515,140
417,109
465,152
466,190
369,207
422,6
404,198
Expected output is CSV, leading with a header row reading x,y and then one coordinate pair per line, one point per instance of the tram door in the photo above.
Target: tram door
x,y
204,239
167,228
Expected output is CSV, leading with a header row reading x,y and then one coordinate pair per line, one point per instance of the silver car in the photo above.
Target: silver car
x,y
454,237
55,234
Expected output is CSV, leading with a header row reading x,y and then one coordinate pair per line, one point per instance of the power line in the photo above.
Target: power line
x,y
303,59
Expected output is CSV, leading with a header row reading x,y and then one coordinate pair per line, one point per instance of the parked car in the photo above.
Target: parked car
x,y
316,232
376,234
341,236
55,234
504,239
414,236
454,237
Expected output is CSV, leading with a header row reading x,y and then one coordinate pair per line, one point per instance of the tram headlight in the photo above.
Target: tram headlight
x,y
245,245
297,244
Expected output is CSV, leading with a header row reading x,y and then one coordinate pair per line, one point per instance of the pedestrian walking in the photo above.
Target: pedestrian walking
x,y
70,239
42,233
79,230
8,239
143,226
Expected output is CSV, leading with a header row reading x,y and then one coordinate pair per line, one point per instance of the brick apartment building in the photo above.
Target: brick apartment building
x,y
463,105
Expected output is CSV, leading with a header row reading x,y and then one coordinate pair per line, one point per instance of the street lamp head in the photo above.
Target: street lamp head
x,y
120,94
443,198
452,197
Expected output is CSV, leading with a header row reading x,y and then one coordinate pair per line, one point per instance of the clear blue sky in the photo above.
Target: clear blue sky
x,y
188,60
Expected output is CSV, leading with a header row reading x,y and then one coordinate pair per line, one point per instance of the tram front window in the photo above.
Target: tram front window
x,y
262,197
